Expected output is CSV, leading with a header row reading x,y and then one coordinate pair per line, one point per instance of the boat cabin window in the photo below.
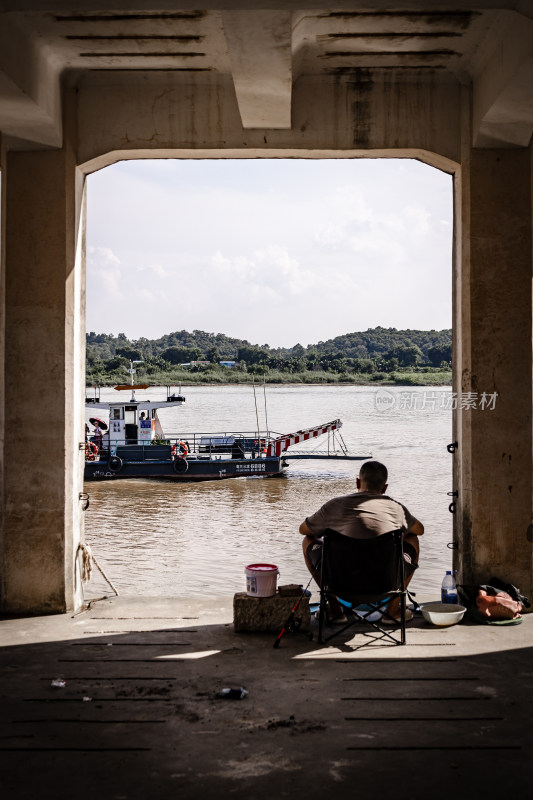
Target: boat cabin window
x,y
131,412
153,413
116,413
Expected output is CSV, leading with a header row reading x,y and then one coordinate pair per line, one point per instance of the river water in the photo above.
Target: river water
x,y
173,539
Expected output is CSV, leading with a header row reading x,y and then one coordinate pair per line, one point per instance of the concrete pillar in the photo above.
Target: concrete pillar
x,y
2,328
493,342
44,380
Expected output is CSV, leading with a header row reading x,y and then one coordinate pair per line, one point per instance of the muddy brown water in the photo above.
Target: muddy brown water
x,y
173,539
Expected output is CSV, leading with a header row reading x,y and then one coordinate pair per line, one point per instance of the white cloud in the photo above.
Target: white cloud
x,y
418,220
271,269
275,251
102,255
105,271
157,269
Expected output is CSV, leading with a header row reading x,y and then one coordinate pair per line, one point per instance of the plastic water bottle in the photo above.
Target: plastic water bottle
x,y
448,590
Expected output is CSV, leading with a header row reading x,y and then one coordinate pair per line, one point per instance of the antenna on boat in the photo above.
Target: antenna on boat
x,y
132,373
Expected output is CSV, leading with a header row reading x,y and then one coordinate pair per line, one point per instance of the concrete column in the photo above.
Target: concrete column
x,y
2,329
493,343
44,380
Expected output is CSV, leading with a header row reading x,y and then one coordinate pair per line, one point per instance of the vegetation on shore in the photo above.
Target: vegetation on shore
x,y
376,356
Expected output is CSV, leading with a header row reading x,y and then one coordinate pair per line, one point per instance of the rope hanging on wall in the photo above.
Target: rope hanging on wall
x,y
87,561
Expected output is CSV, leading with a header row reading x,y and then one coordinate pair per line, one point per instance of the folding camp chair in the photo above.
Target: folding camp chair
x,y
363,572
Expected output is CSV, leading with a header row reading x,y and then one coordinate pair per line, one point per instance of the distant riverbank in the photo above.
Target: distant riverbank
x,y
307,378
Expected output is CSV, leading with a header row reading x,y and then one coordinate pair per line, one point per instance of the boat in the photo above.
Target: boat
x,y
134,444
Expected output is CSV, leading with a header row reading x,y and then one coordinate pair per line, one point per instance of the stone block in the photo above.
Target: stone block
x,y
268,613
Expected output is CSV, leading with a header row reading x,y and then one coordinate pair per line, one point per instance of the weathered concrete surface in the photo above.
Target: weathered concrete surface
x,y
262,50
3,156
260,54
343,114
268,613
447,715
44,364
503,102
493,355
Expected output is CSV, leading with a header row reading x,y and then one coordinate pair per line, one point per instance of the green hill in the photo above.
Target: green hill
x,y
372,353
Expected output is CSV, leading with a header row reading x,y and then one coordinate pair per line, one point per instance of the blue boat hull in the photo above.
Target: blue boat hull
x,y
197,469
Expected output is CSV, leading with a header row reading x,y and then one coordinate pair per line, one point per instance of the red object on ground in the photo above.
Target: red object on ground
x,y
499,606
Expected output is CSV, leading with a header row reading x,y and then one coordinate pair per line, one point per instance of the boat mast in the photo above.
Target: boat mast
x,y
132,373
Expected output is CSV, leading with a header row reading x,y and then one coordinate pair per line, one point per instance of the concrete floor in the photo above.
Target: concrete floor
x,y
448,715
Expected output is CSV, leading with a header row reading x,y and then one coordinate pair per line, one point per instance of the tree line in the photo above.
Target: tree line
x,y
374,353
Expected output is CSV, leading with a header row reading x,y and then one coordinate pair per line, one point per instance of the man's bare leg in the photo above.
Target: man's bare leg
x,y
393,608
335,609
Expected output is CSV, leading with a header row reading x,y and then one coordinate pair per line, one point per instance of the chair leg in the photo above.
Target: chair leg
x,y
402,617
359,619
321,615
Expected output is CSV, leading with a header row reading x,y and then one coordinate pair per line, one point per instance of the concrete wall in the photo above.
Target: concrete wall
x,y
494,458
3,156
165,117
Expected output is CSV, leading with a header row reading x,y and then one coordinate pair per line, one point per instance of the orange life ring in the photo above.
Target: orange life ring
x,y
180,450
91,451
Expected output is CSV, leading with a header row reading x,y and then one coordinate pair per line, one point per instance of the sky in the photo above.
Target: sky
x,y
275,251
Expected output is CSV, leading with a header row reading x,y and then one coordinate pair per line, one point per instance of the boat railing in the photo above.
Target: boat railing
x,y
234,444
209,444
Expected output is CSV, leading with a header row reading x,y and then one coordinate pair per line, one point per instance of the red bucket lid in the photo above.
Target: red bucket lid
x,y
262,567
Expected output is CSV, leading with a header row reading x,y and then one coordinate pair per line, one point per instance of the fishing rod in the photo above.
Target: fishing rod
x,y
292,624
265,398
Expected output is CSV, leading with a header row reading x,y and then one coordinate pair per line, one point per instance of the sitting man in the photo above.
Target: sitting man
x,y
363,515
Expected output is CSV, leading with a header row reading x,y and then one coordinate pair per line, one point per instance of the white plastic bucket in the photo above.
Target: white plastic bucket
x,y
261,579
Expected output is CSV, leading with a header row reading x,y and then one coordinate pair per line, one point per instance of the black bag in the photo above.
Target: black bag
x,y
469,594
511,590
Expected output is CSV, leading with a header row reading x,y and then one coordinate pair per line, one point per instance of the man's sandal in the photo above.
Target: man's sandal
x,y
396,620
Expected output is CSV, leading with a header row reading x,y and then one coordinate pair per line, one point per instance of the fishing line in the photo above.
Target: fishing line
x,y
256,412
265,396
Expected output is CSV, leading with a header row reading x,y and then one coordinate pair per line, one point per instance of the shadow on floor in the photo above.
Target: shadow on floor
x,y
139,715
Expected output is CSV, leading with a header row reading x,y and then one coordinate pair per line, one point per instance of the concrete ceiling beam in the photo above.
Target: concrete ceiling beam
x,y
30,89
260,53
95,6
503,89
509,121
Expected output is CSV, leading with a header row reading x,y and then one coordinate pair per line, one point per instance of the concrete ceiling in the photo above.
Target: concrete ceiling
x,y
45,44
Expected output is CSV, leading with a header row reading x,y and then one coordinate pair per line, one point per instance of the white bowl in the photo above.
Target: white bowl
x,y
443,614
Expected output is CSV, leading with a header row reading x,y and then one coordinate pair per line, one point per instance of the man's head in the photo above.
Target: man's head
x,y
372,477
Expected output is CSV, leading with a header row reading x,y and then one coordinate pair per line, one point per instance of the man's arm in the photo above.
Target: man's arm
x,y
319,521
305,530
416,528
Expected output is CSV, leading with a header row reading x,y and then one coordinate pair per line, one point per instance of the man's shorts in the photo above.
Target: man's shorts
x,y
314,556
